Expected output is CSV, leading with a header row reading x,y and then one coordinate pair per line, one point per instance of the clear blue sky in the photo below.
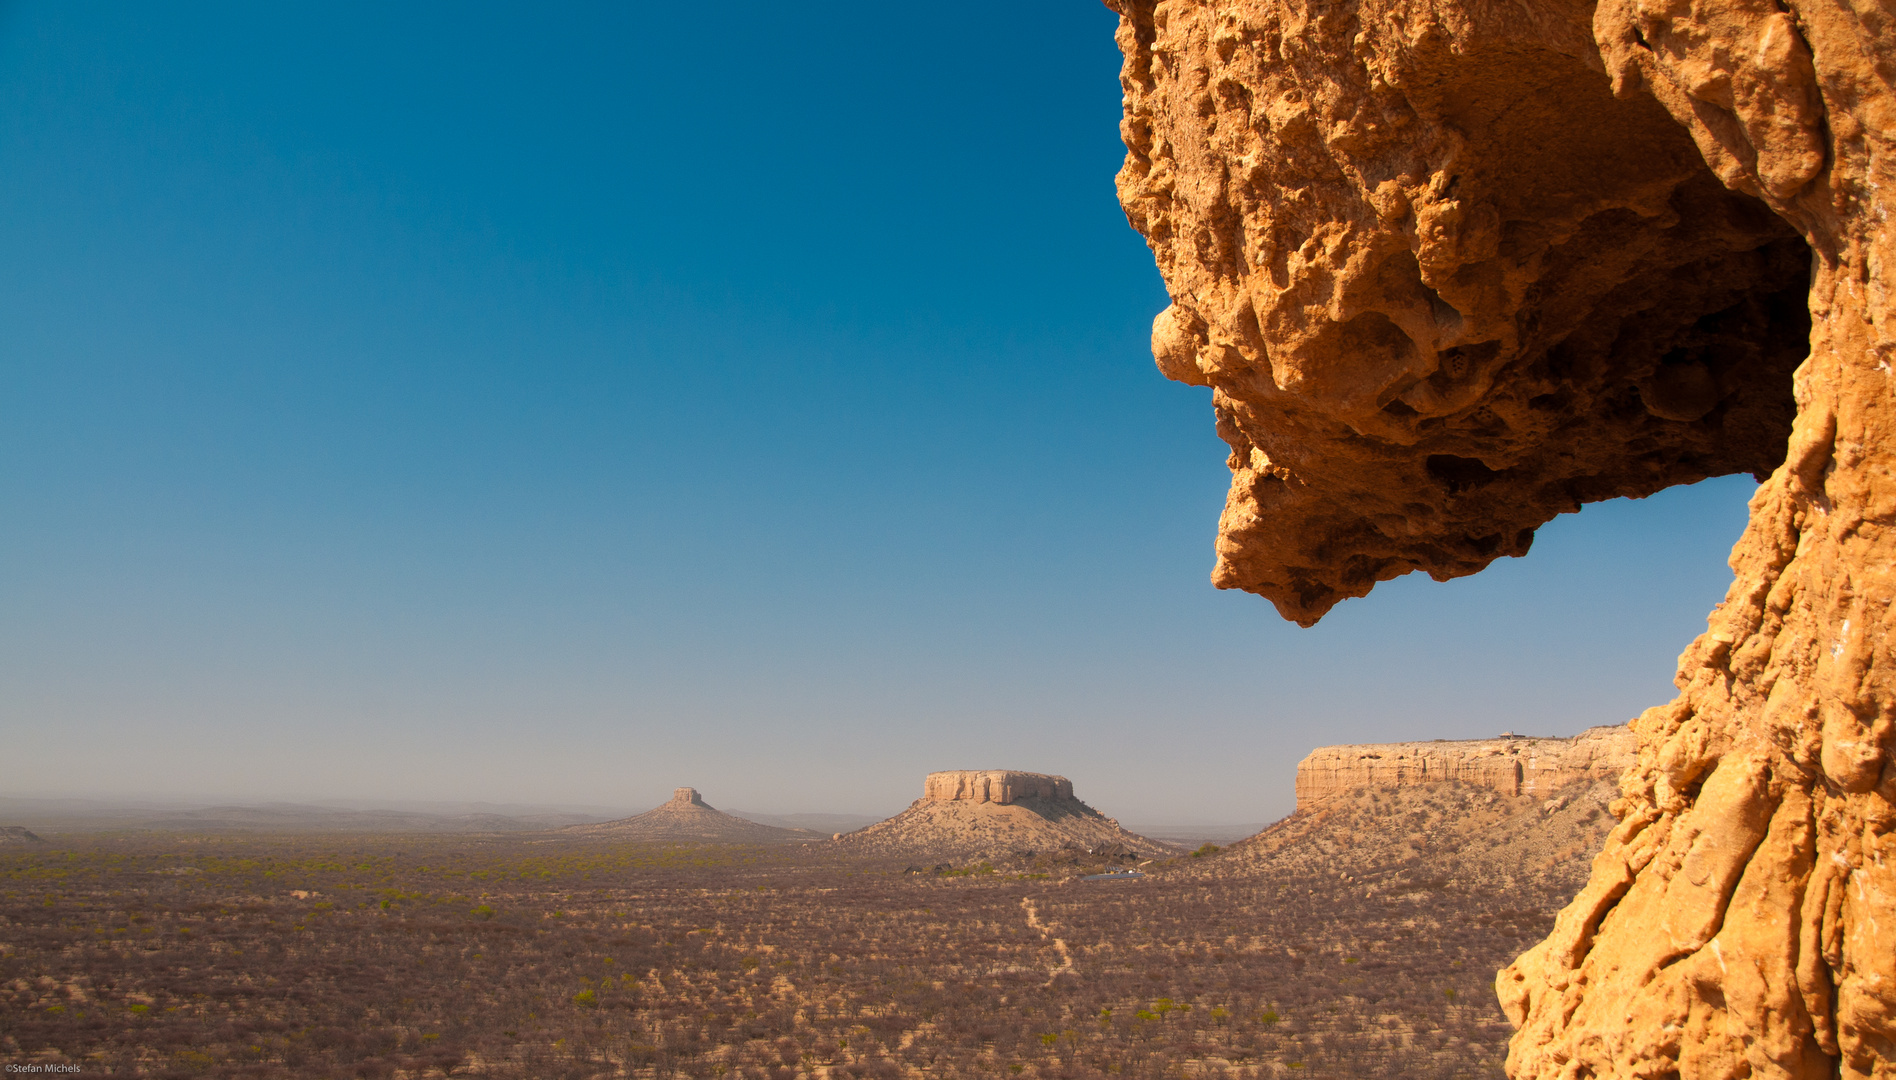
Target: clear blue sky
x,y
566,403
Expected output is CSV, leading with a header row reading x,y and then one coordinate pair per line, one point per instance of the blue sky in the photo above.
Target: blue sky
x,y
486,402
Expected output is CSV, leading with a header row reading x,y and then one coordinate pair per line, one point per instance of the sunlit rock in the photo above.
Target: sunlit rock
x,y
1451,269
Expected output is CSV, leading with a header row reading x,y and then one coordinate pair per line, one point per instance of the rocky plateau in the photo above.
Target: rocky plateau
x,y
1511,765
1451,269
1518,814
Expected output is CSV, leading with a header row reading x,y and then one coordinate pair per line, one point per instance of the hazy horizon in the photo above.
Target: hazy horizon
x,y
494,404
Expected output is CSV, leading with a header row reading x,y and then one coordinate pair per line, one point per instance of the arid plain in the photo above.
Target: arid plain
x,y
1359,937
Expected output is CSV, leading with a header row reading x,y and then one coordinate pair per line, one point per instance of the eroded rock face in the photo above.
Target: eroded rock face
x,y
1442,283
994,785
1453,268
1511,766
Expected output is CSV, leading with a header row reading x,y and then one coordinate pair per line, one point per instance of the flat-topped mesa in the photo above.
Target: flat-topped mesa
x,y
1511,765
1001,786
684,797
987,813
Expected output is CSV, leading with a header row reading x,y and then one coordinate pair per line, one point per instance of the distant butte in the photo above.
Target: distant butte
x,y
984,813
687,818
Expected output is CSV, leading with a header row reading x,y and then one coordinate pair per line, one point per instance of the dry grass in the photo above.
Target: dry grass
x,y
522,958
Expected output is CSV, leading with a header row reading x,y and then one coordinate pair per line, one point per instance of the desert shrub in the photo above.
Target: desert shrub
x,y
682,961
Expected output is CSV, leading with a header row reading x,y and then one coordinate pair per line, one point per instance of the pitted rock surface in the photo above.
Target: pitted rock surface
x,y
1450,269
1442,283
1512,766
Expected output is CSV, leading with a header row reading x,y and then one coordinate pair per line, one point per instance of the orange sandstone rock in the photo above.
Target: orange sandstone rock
x,y
1452,268
1442,283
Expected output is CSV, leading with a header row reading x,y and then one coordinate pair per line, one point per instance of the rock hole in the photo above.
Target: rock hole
x,y
1445,314
1461,361
1459,474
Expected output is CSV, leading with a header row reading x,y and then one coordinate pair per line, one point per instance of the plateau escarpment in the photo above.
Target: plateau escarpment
x,y
1518,814
1519,851
993,813
687,818
1451,269
1511,765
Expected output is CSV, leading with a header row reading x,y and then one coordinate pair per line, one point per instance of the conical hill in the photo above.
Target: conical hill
x,y
687,818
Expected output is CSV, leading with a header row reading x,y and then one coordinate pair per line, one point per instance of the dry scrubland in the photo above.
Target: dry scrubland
x,y
518,958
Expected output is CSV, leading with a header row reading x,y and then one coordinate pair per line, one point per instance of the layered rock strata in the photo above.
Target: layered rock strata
x,y
995,786
1511,765
1450,269
687,818
993,813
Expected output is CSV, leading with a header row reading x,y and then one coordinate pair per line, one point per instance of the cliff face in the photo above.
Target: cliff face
x,y
1511,766
1453,268
995,785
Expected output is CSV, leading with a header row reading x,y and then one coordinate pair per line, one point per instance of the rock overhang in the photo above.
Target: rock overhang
x,y
1445,291
1448,273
